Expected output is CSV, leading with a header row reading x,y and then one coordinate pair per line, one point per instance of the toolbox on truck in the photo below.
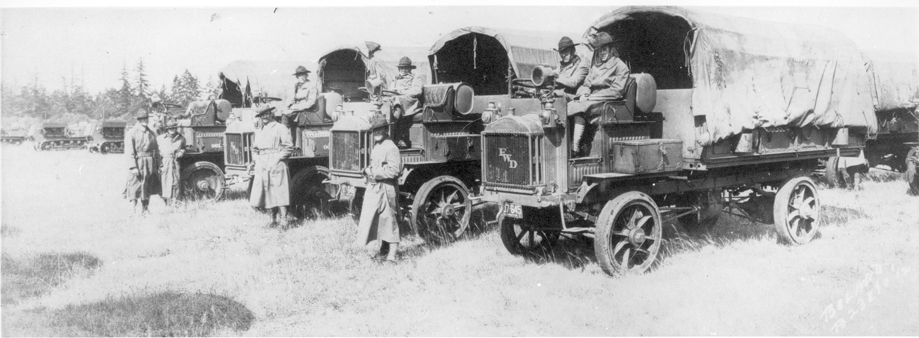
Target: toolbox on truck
x,y
646,156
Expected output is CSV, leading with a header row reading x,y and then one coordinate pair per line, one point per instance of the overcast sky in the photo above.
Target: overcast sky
x,y
94,43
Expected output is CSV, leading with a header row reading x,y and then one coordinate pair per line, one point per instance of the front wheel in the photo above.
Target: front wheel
x,y
441,209
202,181
628,234
522,237
797,211
309,196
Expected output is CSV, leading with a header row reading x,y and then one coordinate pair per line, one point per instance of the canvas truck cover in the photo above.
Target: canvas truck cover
x,y
525,49
894,80
748,73
388,55
273,78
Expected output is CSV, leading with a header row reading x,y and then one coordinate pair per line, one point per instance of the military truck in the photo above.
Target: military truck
x,y
55,136
14,136
717,115
476,74
339,74
894,90
108,138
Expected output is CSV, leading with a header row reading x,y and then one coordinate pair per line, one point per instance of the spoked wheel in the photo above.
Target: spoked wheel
x,y
202,181
521,237
441,210
912,173
628,234
797,211
834,178
309,197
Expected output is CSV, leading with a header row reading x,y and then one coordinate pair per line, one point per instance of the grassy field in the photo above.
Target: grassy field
x,y
77,263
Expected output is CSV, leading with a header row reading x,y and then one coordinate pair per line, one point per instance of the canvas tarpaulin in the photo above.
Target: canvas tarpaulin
x,y
387,57
895,80
748,74
525,49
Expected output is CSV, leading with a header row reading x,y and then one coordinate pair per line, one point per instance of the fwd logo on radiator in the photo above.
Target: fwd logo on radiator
x,y
507,157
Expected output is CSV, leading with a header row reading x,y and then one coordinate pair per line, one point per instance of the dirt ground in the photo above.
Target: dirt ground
x,y
63,217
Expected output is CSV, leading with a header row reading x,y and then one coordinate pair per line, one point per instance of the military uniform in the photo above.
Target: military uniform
x,y
605,81
380,213
409,89
141,151
171,148
305,95
271,145
571,74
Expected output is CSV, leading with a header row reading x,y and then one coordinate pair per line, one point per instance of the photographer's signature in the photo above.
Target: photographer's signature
x,y
847,308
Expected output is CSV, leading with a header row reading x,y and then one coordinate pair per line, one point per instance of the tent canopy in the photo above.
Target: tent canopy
x,y
480,56
344,68
746,73
895,80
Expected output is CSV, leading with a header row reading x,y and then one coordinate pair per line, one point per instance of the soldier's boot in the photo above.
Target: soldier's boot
x,y
283,222
274,218
384,251
393,251
144,204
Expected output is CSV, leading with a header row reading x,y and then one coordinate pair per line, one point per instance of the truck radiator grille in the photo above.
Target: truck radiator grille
x,y
508,159
346,151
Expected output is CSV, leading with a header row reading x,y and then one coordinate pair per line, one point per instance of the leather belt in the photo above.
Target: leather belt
x,y
266,151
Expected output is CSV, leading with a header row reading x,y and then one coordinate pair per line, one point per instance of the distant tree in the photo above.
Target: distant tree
x,y
184,89
143,85
212,87
125,95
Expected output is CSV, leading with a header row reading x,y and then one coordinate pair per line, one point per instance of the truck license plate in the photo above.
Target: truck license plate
x,y
513,210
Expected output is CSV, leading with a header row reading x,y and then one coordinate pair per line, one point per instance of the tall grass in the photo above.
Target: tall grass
x,y
313,280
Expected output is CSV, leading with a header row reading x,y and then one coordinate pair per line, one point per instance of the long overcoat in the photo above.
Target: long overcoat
x,y
380,213
270,186
141,151
170,149
409,88
571,75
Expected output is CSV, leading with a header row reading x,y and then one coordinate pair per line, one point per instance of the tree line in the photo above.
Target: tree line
x,y
33,103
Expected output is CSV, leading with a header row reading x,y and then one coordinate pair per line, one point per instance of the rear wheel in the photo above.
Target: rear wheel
x,y
441,209
797,211
912,173
202,181
628,234
833,176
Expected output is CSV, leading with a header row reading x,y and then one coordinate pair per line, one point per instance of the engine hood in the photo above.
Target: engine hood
x,y
527,124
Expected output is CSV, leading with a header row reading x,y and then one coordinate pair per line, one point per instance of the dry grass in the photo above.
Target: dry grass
x,y
312,280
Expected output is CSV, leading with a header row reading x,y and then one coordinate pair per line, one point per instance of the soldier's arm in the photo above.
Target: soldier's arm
x,y
181,151
392,167
577,78
415,89
619,75
129,149
287,143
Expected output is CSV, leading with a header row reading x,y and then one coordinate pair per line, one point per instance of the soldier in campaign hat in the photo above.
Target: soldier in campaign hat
x,y
408,94
270,147
171,147
376,68
571,70
305,94
141,150
380,213
605,81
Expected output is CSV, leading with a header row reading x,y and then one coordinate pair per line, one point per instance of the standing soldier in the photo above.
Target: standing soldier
x,y
272,145
380,213
407,87
376,68
571,71
171,148
140,147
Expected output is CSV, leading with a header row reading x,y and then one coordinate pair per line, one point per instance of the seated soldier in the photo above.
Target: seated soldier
x,y
407,87
305,96
605,81
571,71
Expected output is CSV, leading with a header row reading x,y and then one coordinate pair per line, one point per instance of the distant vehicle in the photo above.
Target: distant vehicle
x,y
108,138
55,136
14,136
